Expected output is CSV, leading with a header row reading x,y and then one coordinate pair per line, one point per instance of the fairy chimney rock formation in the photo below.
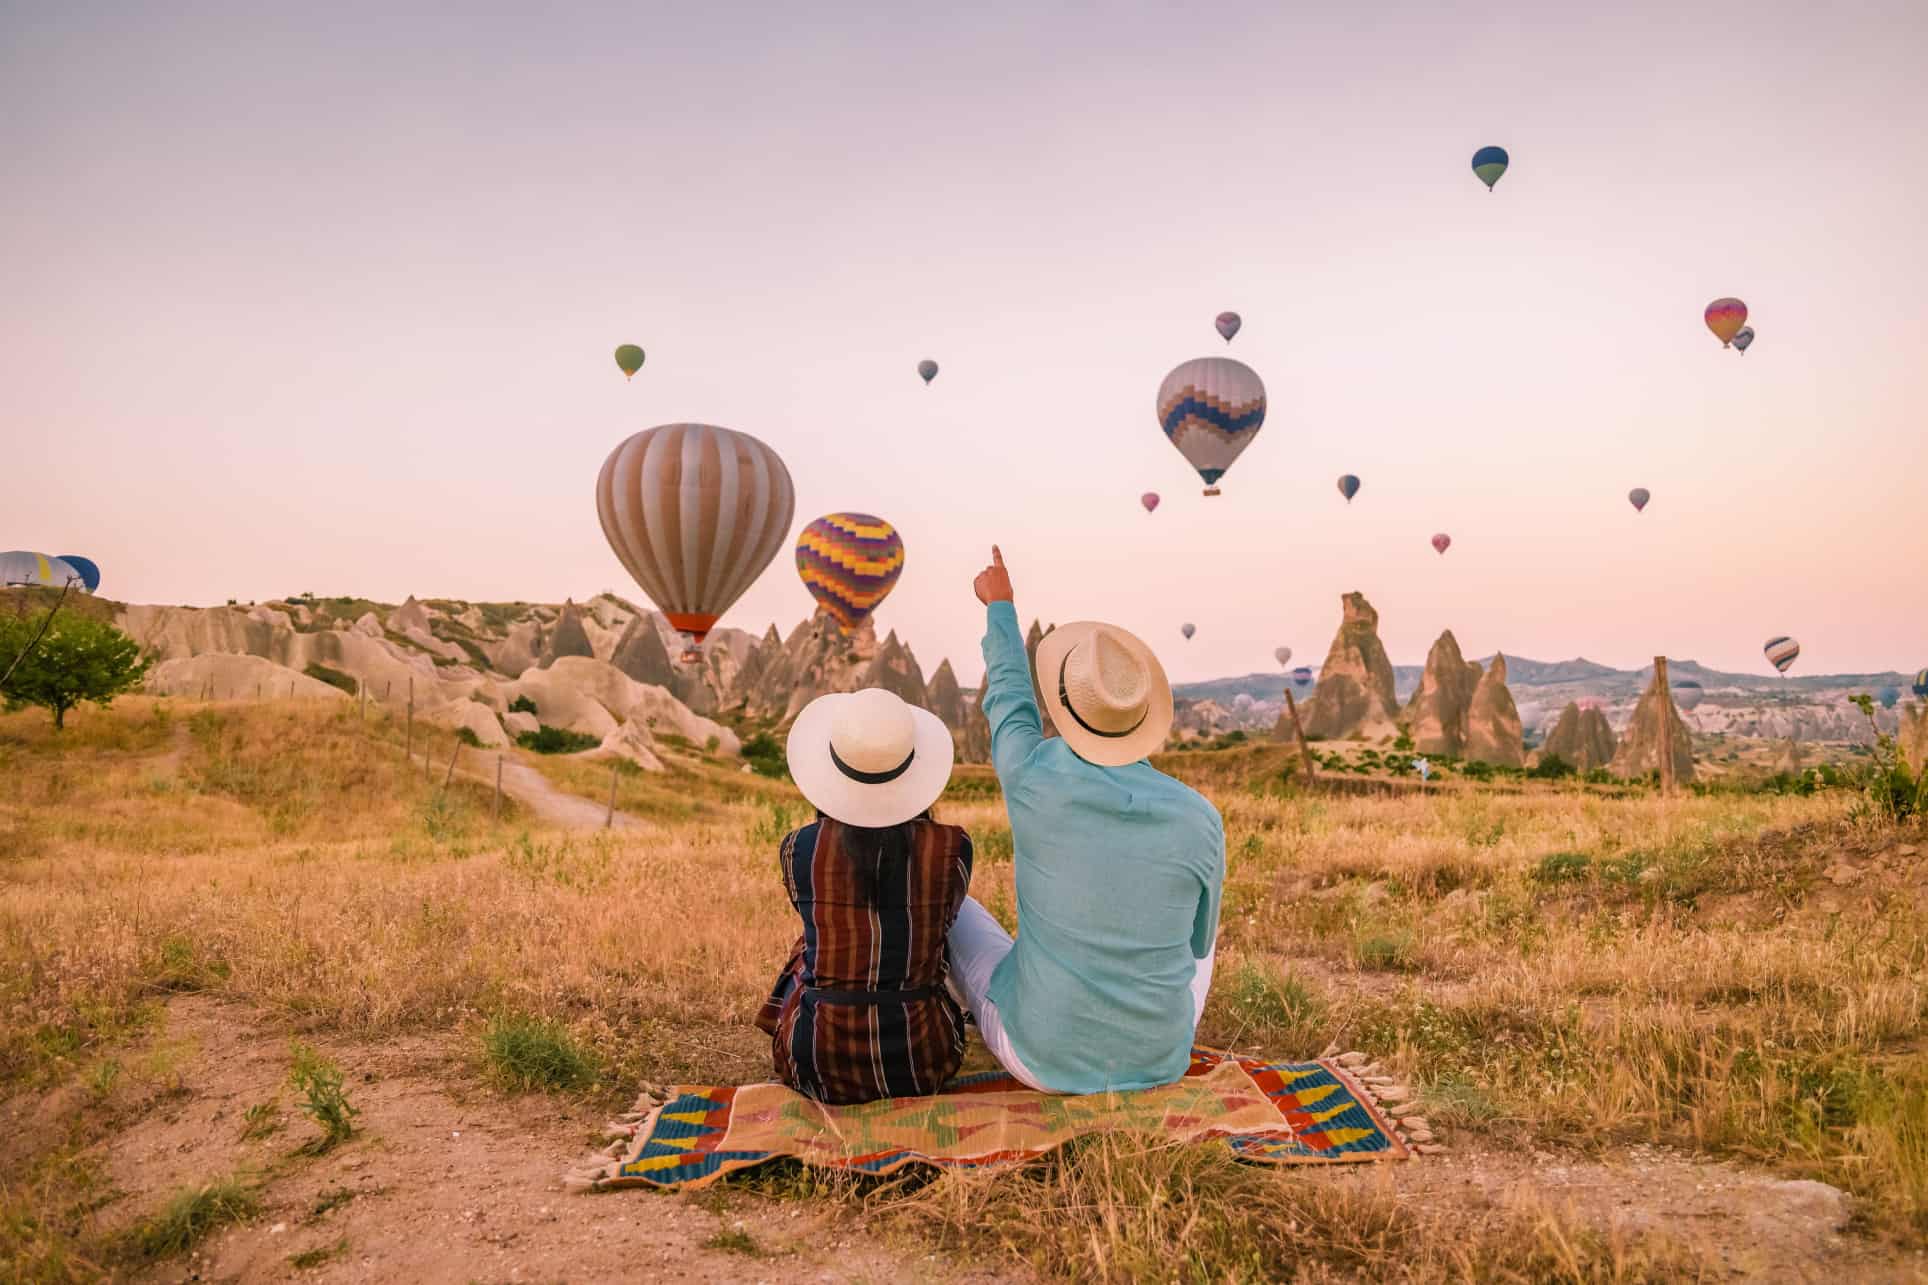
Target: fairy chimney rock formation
x,y
944,698
1913,737
1436,717
568,638
641,655
1639,752
1354,698
1581,738
410,615
895,669
1493,731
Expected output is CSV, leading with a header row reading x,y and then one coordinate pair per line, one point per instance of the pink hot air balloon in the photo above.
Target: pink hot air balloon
x,y
1442,542
1227,324
1150,500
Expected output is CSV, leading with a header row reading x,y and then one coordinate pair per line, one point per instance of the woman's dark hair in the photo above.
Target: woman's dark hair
x,y
875,851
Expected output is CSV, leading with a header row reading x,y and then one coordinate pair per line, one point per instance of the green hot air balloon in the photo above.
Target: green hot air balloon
x,y
1489,163
629,358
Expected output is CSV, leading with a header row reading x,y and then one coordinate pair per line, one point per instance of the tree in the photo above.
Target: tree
x,y
76,660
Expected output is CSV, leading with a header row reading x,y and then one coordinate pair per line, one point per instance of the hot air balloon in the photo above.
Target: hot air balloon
x,y
1489,163
1725,317
1688,693
1188,629
927,369
1348,486
1442,542
1888,696
1920,687
1282,654
89,573
1211,409
848,562
22,567
1150,500
1302,677
1743,338
1780,652
1638,497
1228,324
694,513
629,359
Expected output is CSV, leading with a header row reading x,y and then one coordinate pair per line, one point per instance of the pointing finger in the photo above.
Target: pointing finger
x,y
997,556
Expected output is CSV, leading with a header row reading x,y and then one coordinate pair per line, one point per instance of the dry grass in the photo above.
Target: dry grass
x,y
1555,968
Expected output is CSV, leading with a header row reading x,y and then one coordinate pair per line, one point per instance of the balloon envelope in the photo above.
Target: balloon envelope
x,y
848,562
1744,338
1888,696
1150,500
694,513
1688,693
1781,652
1489,163
89,573
1302,677
1348,486
24,567
1188,629
927,369
1282,654
1228,324
1725,317
629,359
1920,687
1442,542
1211,409
1638,497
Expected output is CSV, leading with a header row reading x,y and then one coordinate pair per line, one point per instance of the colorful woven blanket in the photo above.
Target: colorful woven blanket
x,y
1327,1111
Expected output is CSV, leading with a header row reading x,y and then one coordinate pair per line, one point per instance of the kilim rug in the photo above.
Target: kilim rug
x,y
1329,1111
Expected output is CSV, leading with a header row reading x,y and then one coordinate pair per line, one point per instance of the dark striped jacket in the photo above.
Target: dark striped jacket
x,y
836,1050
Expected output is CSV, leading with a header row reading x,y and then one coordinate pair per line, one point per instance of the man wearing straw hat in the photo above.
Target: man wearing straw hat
x,y
1119,867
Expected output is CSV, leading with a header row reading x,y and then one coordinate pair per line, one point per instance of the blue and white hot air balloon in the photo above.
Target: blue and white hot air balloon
x,y
89,573
1211,409
22,567
1489,163
1302,677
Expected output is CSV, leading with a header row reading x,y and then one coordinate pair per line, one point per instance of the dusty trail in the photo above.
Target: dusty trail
x,y
532,790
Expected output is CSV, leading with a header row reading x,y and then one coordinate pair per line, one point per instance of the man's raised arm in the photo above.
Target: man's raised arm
x,y
1016,729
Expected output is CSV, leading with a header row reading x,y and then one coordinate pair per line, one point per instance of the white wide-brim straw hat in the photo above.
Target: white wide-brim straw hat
x,y
1105,691
869,758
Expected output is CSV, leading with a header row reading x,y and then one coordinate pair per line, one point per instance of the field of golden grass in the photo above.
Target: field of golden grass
x,y
1568,977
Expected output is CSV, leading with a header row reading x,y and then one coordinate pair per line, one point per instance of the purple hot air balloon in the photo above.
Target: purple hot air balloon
x,y
1228,324
1638,497
927,370
1442,542
1150,500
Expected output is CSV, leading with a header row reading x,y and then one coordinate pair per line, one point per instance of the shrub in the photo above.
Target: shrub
x,y
1888,790
333,677
1552,767
319,1080
556,740
765,756
1561,867
522,705
467,736
531,1053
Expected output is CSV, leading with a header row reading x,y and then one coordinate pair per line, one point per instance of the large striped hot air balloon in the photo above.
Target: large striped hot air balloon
x,y
1688,693
848,562
1489,163
629,360
1211,409
1725,317
23,567
1227,324
694,513
1348,486
1781,652
89,573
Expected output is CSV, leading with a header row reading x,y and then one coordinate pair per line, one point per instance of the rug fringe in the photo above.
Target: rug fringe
x,y
1390,1096
599,1169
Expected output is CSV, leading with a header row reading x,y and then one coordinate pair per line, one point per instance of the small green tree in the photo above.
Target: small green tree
x,y
77,660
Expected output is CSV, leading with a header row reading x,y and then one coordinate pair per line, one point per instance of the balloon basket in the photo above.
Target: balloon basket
x,y
1212,490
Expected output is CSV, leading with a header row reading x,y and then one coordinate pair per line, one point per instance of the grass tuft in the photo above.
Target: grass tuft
x,y
192,1215
525,1053
319,1081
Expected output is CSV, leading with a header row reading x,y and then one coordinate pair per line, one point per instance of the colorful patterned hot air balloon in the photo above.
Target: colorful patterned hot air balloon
x,y
927,369
694,513
1889,696
22,567
629,359
1211,409
1150,500
1188,629
1743,339
89,573
1442,542
1780,652
1302,677
1228,324
1638,497
1348,486
1282,654
848,562
1920,687
1489,163
1688,693
1725,317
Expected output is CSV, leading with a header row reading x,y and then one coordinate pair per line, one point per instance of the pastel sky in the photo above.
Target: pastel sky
x,y
322,297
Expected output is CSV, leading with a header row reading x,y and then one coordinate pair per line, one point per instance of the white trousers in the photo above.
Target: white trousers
x,y
978,944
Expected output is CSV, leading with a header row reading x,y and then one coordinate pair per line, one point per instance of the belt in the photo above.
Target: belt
x,y
823,996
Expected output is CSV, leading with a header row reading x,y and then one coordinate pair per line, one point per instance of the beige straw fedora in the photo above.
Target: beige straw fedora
x,y
869,758
1105,691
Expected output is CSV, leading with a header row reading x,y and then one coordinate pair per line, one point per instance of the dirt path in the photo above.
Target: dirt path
x,y
532,790
445,1180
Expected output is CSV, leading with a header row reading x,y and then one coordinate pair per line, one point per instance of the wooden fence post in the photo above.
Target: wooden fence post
x,y
495,808
1666,725
610,820
450,774
1298,734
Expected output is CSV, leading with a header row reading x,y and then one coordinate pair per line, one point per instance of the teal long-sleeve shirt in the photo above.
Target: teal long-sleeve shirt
x,y
1119,874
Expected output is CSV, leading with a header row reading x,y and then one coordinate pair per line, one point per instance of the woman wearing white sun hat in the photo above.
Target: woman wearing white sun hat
x,y
1119,868
861,1011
